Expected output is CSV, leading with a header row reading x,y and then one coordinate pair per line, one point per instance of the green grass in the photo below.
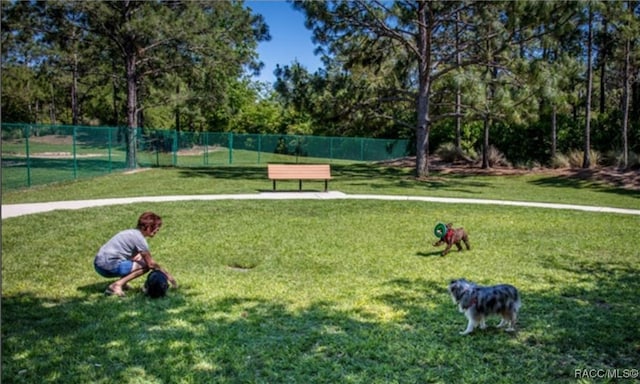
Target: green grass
x,y
320,291
92,161
354,178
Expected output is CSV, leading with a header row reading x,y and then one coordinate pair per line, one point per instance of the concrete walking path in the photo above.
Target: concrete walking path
x,y
14,210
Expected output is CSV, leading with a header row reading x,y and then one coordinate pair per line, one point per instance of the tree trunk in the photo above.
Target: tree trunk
x,y
74,91
52,106
554,131
586,163
132,109
178,109
604,52
625,104
458,108
491,95
422,107
485,142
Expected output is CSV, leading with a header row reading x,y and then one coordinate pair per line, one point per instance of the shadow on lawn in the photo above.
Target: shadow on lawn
x,y
351,175
596,317
397,177
406,333
585,179
249,173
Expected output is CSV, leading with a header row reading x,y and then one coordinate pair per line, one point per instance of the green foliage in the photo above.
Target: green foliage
x,y
470,135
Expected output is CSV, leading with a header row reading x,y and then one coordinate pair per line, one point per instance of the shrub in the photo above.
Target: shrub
x,y
528,165
615,158
560,161
447,152
633,160
495,157
576,158
450,154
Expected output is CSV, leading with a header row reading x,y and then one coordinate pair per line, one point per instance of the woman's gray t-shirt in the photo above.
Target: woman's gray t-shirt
x,y
123,246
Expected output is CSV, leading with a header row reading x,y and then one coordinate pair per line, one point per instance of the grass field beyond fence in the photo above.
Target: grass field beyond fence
x,y
327,291
43,154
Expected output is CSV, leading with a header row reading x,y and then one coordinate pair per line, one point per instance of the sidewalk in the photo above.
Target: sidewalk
x,y
14,210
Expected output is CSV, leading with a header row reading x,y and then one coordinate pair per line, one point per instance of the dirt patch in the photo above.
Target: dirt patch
x,y
136,170
62,155
52,139
199,150
626,179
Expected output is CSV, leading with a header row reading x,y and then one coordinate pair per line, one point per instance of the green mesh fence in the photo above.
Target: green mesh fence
x,y
42,154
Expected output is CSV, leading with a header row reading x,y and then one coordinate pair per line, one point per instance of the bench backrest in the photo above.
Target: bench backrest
x,y
299,171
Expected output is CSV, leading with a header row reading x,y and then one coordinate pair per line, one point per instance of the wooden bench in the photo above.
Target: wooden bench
x,y
299,172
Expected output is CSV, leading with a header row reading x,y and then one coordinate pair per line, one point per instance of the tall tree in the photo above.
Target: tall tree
x,y
154,38
415,33
425,39
629,31
586,162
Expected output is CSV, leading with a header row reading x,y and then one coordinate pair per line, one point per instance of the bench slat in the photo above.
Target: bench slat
x,y
299,172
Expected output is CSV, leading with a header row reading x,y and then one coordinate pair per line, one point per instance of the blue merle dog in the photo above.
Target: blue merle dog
x,y
478,302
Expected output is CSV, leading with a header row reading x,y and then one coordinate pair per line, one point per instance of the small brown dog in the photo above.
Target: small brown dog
x,y
453,236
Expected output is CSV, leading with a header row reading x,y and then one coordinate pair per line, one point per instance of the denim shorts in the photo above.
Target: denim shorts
x,y
122,269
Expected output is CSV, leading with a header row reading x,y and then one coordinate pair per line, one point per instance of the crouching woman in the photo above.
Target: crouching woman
x,y
126,255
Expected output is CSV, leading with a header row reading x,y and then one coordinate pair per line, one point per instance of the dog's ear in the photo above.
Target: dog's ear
x,y
449,225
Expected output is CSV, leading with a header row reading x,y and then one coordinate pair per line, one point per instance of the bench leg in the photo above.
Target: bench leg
x,y
300,185
326,185
274,185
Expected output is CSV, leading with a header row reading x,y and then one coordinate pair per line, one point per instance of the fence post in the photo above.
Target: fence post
x,y
75,158
175,148
206,148
230,148
259,147
27,133
109,130
331,149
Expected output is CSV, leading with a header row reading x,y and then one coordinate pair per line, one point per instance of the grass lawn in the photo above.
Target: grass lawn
x,y
327,291
353,178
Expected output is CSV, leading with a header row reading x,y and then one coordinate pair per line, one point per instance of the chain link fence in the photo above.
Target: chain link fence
x,y
42,154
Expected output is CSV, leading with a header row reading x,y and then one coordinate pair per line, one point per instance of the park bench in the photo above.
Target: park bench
x,y
299,172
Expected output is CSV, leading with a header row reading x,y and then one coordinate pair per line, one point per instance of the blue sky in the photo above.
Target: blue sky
x,y
290,40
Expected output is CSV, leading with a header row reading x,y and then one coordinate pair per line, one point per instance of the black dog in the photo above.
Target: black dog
x,y
156,285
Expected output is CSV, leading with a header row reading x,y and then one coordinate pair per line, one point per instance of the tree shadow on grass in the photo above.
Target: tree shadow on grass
x,y
584,179
406,332
377,178
402,178
235,339
235,172
600,310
